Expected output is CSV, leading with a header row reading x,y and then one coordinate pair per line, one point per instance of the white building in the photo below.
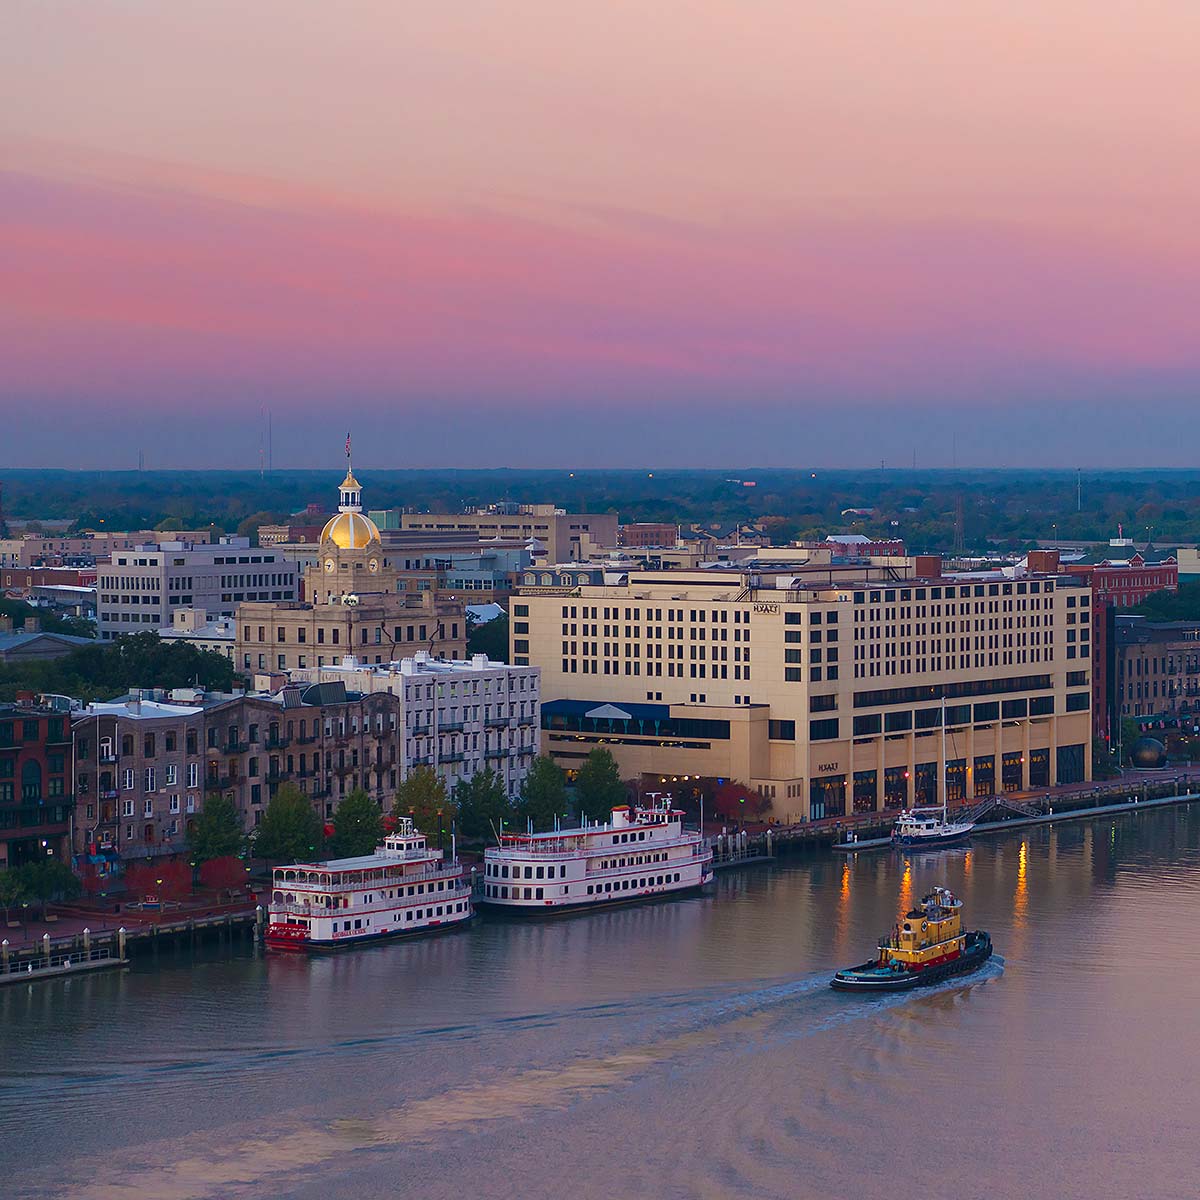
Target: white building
x,y
192,625
458,716
141,588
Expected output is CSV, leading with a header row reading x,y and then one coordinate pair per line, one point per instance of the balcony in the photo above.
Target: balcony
x,y
278,743
497,722
308,739
219,783
109,758
456,756
500,753
451,727
108,793
419,731
234,748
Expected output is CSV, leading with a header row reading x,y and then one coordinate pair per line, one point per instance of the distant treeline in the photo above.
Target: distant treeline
x,y
1000,509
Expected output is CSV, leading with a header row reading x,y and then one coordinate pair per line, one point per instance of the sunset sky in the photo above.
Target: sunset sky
x,y
557,233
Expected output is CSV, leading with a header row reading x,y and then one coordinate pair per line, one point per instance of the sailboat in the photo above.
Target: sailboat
x,y
931,826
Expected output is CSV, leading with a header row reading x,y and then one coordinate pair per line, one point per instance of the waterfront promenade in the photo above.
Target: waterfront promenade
x,y
102,919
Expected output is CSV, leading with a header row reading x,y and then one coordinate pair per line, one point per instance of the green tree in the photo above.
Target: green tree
x,y
482,804
488,637
598,786
217,831
291,830
1104,765
12,891
49,880
543,793
357,826
111,669
422,796
1130,732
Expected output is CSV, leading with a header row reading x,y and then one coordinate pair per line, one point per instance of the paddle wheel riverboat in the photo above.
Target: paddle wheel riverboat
x,y
404,888
642,853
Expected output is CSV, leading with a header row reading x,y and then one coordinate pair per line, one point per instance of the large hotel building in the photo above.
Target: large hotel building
x,y
821,686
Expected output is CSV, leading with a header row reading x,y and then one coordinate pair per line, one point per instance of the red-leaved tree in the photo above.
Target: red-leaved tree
x,y
223,874
168,880
735,802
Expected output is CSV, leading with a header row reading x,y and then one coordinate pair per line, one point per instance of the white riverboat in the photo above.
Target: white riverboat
x,y
642,853
403,888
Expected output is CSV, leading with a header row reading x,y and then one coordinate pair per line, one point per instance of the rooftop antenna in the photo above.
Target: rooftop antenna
x,y
1078,490
270,445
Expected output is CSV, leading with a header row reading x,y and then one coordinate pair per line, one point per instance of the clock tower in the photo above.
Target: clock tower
x,y
352,562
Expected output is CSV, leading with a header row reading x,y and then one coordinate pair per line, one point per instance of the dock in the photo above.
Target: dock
x,y
88,950
1026,819
39,967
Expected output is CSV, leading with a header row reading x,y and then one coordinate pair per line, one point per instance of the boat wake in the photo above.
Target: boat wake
x,y
680,1029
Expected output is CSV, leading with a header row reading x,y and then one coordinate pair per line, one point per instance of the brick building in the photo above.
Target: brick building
x,y
1115,583
35,783
143,764
644,534
1157,668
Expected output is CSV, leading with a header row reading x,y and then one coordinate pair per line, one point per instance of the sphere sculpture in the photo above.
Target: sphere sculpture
x,y
1148,753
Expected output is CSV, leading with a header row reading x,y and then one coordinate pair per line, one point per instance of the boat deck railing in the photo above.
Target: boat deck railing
x,y
318,910
573,846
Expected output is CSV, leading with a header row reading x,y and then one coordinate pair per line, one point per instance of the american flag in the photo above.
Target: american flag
x,y
347,445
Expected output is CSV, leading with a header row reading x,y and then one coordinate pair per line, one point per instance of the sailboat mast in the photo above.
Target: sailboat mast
x,y
945,764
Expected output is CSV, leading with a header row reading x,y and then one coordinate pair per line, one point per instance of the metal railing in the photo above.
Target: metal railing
x,y
31,966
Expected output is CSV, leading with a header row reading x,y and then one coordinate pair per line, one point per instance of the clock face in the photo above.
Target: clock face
x,y
373,565
329,564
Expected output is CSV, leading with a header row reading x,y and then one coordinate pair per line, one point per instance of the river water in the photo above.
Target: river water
x,y
687,1049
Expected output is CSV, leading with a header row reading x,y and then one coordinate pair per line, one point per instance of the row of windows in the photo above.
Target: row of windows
x,y
499,891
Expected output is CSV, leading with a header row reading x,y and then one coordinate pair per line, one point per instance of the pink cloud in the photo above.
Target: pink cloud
x,y
213,283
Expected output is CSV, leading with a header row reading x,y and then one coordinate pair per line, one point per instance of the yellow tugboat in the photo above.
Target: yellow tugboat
x,y
929,945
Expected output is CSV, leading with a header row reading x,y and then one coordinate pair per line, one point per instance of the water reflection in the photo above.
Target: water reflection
x,y
699,1036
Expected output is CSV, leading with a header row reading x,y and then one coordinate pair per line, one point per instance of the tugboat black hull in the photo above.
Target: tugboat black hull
x,y
870,977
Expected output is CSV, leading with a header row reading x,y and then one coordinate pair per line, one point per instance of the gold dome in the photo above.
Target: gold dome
x,y
350,531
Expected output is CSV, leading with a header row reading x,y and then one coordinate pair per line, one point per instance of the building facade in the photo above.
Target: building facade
x,y
1115,583
139,778
823,688
654,534
457,717
192,625
1157,668
354,604
37,550
565,536
144,764
36,799
140,588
